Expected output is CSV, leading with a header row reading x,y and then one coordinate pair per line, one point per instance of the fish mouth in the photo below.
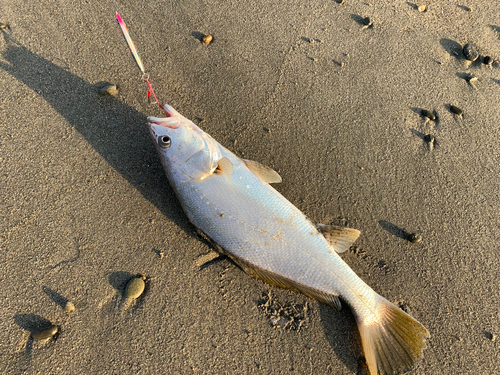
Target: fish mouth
x,y
171,121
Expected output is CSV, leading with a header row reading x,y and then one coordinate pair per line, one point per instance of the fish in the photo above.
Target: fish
x,y
230,200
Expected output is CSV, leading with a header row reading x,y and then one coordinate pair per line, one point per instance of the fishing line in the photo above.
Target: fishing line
x,y
137,57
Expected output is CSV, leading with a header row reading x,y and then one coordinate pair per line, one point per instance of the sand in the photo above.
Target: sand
x,y
302,87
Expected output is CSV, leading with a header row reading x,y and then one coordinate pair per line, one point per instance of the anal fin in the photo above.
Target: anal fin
x,y
339,238
276,280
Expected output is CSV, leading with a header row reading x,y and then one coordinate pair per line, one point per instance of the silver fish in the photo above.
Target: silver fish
x,y
230,200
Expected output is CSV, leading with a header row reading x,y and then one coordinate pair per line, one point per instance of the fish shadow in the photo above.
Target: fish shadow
x,y
117,131
342,334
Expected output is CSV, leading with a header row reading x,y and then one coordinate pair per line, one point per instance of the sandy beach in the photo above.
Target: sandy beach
x,y
330,100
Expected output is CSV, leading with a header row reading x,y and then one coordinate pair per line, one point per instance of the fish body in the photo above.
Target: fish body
x,y
230,200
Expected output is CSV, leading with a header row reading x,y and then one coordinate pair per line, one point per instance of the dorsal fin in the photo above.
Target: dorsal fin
x,y
262,171
225,166
339,238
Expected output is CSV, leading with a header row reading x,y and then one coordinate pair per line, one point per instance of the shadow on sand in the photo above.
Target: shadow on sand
x,y
115,130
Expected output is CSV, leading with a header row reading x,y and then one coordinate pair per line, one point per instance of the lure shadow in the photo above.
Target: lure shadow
x,y
115,130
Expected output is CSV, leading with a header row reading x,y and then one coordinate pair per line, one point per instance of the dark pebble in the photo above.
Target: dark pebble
x,y
44,332
428,114
470,52
487,60
366,21
414,238
429,138
455,110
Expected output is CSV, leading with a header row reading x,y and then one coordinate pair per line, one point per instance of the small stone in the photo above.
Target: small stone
x,y
455,110
366,21
470,52
428,114
109,89
471,79
44,332
207,39
421,8
487,60
135,287
69,307
414,238
3,26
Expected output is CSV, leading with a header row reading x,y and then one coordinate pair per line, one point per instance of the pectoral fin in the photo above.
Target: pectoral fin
x,y
265,173
225,166
339,238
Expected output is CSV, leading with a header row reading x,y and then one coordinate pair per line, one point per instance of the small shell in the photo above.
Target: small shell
x,y
470,52
421,8
109,89
414,238
428,114
487,60
69,307
135,287
455,110
44,332
207,39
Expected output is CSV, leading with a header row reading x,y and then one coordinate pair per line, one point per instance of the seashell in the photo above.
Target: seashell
x,y
44,333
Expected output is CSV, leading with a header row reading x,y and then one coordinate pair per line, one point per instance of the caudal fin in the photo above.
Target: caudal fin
x,y
392,342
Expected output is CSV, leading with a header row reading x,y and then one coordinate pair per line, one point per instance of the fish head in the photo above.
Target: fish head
x,y
182,146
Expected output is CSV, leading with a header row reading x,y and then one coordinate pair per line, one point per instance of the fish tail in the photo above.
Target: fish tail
x,y
393,341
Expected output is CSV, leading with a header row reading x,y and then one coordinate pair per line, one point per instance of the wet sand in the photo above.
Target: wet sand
x,y
303,87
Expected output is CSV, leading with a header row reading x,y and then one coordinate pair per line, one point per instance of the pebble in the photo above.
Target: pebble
x,y
109,89
135,287
3,26
471,79
207,39
428,114
69,307
470,52
421,8
414,237
456,110
487,60
366,21
44,332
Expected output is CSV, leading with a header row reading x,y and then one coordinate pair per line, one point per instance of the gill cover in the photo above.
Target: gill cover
x,y
192,151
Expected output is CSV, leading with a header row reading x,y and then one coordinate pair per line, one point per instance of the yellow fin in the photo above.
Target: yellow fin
x,y
339,238
265,173
393,342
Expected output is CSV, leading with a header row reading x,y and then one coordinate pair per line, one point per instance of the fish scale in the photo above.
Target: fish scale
x,y
231,201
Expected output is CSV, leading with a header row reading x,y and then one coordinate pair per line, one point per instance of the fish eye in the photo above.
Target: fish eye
x,y
164,141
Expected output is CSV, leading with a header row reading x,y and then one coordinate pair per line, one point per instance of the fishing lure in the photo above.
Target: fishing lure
x,y
137,58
